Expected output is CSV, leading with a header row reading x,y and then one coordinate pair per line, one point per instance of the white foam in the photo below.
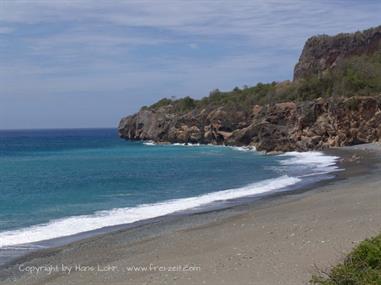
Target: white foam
x,y
77,224
150,143
318,161
186,144
239,148
243,148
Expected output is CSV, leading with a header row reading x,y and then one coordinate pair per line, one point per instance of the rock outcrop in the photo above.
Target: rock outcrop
x,y
317,124
321,53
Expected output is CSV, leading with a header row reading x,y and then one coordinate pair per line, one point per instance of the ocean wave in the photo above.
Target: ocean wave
x,y
243,148
312,163
319,162
150,143
239,148
186,144
77,224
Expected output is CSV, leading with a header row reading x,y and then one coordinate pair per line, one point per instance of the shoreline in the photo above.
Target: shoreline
x,y
177,224
10,253
323,167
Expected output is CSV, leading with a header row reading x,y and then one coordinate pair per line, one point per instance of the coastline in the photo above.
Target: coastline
x,y
296,171
230,238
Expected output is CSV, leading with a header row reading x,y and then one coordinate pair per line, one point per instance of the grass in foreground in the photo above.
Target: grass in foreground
x,y
361,267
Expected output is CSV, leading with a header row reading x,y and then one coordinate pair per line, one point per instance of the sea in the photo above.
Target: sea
x,y
60,183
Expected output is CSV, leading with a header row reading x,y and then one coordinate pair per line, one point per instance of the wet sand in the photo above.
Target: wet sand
x,y
282,240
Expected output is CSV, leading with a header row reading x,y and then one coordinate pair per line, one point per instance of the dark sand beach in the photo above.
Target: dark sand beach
x,y
278,240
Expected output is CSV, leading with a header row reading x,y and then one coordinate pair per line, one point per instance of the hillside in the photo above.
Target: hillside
x,y
332,101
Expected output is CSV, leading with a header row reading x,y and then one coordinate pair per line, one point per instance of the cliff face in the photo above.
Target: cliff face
x,y
235,119
317,124
320,53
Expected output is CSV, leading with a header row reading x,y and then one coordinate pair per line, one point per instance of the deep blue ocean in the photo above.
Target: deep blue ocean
x,y
56,183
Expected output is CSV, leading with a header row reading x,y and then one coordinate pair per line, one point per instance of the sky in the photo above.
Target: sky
x,y
80,63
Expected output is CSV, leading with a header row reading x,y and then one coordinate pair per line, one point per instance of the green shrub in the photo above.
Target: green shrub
x,y
361,267
161,103
185,104
357,75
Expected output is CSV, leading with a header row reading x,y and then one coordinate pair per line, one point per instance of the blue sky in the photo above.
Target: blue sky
x,y
73,63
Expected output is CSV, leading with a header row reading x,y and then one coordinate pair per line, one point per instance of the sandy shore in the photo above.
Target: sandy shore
x,y
278,241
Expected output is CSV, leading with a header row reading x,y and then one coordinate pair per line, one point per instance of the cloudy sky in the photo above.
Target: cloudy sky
x,y
74,63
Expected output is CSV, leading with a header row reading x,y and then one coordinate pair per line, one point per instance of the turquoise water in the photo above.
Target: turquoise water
x,y
57,183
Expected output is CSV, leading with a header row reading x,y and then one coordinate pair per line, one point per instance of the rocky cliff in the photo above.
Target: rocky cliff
x,y
317,124
322,53
281,116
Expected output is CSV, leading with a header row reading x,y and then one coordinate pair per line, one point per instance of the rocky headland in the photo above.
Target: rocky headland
x,y
322,53
333,101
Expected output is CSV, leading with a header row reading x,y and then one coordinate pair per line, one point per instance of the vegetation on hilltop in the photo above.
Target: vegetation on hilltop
x,y
361,267
358,75
343,71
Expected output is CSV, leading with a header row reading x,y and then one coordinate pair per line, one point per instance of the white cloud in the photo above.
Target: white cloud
x,y
251,19
173,47
260,23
